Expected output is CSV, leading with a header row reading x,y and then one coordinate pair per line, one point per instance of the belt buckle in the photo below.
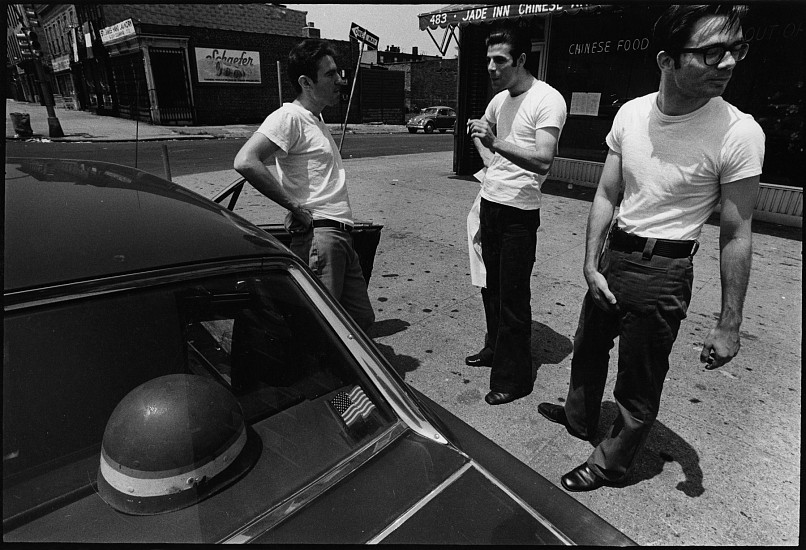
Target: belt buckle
x,y
695,247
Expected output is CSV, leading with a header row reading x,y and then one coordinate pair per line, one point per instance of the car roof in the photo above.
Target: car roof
x,y
72,220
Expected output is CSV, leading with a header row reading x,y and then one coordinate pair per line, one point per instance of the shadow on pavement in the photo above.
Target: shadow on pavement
x,y
387,327
401,363
662,447
548,346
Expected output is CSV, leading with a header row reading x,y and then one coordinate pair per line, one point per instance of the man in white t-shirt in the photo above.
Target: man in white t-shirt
x,y
517,140
678,152
312,183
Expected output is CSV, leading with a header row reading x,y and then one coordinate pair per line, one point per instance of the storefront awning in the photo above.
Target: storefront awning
x,y
455,15
464,14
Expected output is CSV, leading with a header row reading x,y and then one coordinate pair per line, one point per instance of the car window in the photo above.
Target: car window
x,y
67,366
430,111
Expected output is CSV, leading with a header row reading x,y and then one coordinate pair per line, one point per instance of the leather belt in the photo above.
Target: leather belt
x,y
624,242
334,224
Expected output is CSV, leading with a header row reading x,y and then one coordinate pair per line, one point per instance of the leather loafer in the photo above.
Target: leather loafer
x,y
581,479
484,358
499,397
556,414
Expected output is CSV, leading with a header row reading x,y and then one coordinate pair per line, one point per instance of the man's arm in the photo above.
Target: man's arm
x,y
599,220
735,257
536,160
250,162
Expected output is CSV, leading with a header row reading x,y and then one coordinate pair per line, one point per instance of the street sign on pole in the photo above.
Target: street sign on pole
x,y
371,41
360,33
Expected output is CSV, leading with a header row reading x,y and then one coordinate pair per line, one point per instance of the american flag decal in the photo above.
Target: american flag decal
x,y
353,405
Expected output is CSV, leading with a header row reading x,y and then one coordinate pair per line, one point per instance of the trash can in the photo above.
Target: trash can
x,y
22,124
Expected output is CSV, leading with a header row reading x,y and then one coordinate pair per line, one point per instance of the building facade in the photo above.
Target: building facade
x,y
169,64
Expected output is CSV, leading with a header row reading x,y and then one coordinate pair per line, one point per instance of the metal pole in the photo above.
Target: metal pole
x,y
350,101
54,126
136,114
166,163
279,84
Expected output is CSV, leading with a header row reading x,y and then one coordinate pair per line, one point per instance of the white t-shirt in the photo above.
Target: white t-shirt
x,y
517,120
309,163
673,166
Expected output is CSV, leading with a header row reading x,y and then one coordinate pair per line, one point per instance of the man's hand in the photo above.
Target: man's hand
x,y
600,291
481,130
298,220
721,345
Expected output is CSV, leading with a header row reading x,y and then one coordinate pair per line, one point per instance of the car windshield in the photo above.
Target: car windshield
x,y
430,111
66,366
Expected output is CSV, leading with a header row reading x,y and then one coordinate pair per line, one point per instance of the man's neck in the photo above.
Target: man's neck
x,y
523,84
306,103
672,103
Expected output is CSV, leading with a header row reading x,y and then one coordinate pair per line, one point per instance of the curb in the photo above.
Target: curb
x,y
42,139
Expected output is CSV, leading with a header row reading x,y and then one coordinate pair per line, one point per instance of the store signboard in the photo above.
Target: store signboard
x,y
61,63
458,14
124,29
225,66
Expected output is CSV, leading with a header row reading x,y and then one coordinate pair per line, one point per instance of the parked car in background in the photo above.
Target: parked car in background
x,y
173,374
433,118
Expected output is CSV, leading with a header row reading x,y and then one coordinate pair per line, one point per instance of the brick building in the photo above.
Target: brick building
x,y
175,63
433,82
429,79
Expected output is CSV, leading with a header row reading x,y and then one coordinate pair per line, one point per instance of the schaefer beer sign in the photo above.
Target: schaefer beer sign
x,y
228,66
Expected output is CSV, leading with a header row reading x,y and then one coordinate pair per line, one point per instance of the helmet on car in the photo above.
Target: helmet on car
x,y
172,442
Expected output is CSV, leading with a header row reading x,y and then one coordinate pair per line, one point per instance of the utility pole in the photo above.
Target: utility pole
x,y
32,19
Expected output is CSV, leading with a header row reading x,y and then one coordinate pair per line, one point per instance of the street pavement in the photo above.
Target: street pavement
x,y
85,126
722,463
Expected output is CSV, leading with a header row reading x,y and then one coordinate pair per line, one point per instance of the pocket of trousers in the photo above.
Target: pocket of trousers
x,y
637,286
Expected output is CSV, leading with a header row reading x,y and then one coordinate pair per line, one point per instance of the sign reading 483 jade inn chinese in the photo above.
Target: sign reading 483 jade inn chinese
x,y
223,65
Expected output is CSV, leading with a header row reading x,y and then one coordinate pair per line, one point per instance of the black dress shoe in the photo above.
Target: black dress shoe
x,y
556,413
581,479
484,358
499,397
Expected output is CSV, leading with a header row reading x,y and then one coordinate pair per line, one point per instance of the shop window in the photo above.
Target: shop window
x,y
599,61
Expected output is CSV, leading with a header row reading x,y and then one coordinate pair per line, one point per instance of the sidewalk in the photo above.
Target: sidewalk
x,y
86,126
722,464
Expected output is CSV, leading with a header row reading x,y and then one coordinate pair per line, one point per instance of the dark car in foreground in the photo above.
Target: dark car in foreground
x,y
174,374
433,118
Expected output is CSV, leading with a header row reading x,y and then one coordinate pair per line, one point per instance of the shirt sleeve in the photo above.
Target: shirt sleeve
x,y
614,136
491,113
742,154
282,129
552,111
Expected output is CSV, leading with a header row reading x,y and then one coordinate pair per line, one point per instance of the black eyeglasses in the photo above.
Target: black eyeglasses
x,y
712,55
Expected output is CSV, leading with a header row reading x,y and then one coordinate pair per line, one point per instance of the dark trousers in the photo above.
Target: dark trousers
x,y
652,296
508,241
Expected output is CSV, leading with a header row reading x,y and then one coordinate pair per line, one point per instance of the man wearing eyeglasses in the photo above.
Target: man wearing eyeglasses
x,y
678,153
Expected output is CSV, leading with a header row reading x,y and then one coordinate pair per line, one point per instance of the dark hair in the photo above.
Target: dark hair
x,y
303,59
517,38
674,27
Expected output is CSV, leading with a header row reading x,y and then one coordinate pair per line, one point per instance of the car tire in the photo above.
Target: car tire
x,y
412,130
429,128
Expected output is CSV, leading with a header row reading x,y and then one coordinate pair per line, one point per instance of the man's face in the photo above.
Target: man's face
x,y
327,88
503,73
694,78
